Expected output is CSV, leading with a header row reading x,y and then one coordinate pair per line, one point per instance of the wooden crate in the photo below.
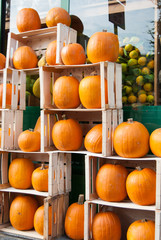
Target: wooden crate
x,y
18,81
39,39
108,70
87,119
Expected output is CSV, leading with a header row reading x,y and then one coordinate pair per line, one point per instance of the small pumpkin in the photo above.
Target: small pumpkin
x,y
74,220
22,211
20,172
2,61
93,139
57,15
155,142
141,186
28,19
131,139
111,182
141,229
29,141
24,58
90,91
106,225
73,54
66,92
40,178
51,53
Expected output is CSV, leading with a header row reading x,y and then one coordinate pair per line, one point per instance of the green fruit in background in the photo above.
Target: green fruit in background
x,y
141,92
36,88
29,83
142,98
145,70
124,67
142,61
132,99
150,98
140,80
132,62
128,47
133,54
148,87
124,99
127,89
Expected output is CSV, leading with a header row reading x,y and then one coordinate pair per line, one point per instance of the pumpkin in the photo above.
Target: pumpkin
x,y
28,19
74,219
66,92
39,220
57,15
141,186
103,46
141,229
93,139
131,139
76,24
67,135
29,141
20,172
2,61
51,53
155,142
8,94
22,211
38,125
106,225
111,182
24,58
40,179
73,54
90,91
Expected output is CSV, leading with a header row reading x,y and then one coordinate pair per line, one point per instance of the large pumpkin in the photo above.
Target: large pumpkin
x,y
20,172
28,19
51,53
90,91
155,142
39,220
74,220
57,15
93,139
29,141
141,229
103,46
66,92
40,178
131,139
22,211
24,58
111,182
2,61
67,135
141,186
73,54
106,225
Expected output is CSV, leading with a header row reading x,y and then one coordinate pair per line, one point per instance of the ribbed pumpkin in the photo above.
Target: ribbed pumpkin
x,y
28,19
24,58
141,186
93,139
39,220
51,53
131,139
103,46
22,211
8,94
73,54
40,178
66,92
141,229
74,220
111,182
57,15
90,91
155,142
20,172
67,135
29,141
2,61
106,225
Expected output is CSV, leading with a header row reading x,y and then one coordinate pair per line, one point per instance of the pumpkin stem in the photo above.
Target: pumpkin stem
x,y
138,168
64,117
144,220
130,120
31,129
104,30
81,199
42,166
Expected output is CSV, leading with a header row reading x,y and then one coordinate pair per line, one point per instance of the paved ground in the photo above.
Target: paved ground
x,y
6,237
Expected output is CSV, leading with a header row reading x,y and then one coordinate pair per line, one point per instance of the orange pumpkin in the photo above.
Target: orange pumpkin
x,y
74,220
51,53
39,220
29,141
66,92
28,19
8,94
155,142
106,225
22,211
20,172
90,91
111,182
103,46
67,135
24,58
93,139
40,179
141,186
2,61
73,54
141,229
57,15
131,139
